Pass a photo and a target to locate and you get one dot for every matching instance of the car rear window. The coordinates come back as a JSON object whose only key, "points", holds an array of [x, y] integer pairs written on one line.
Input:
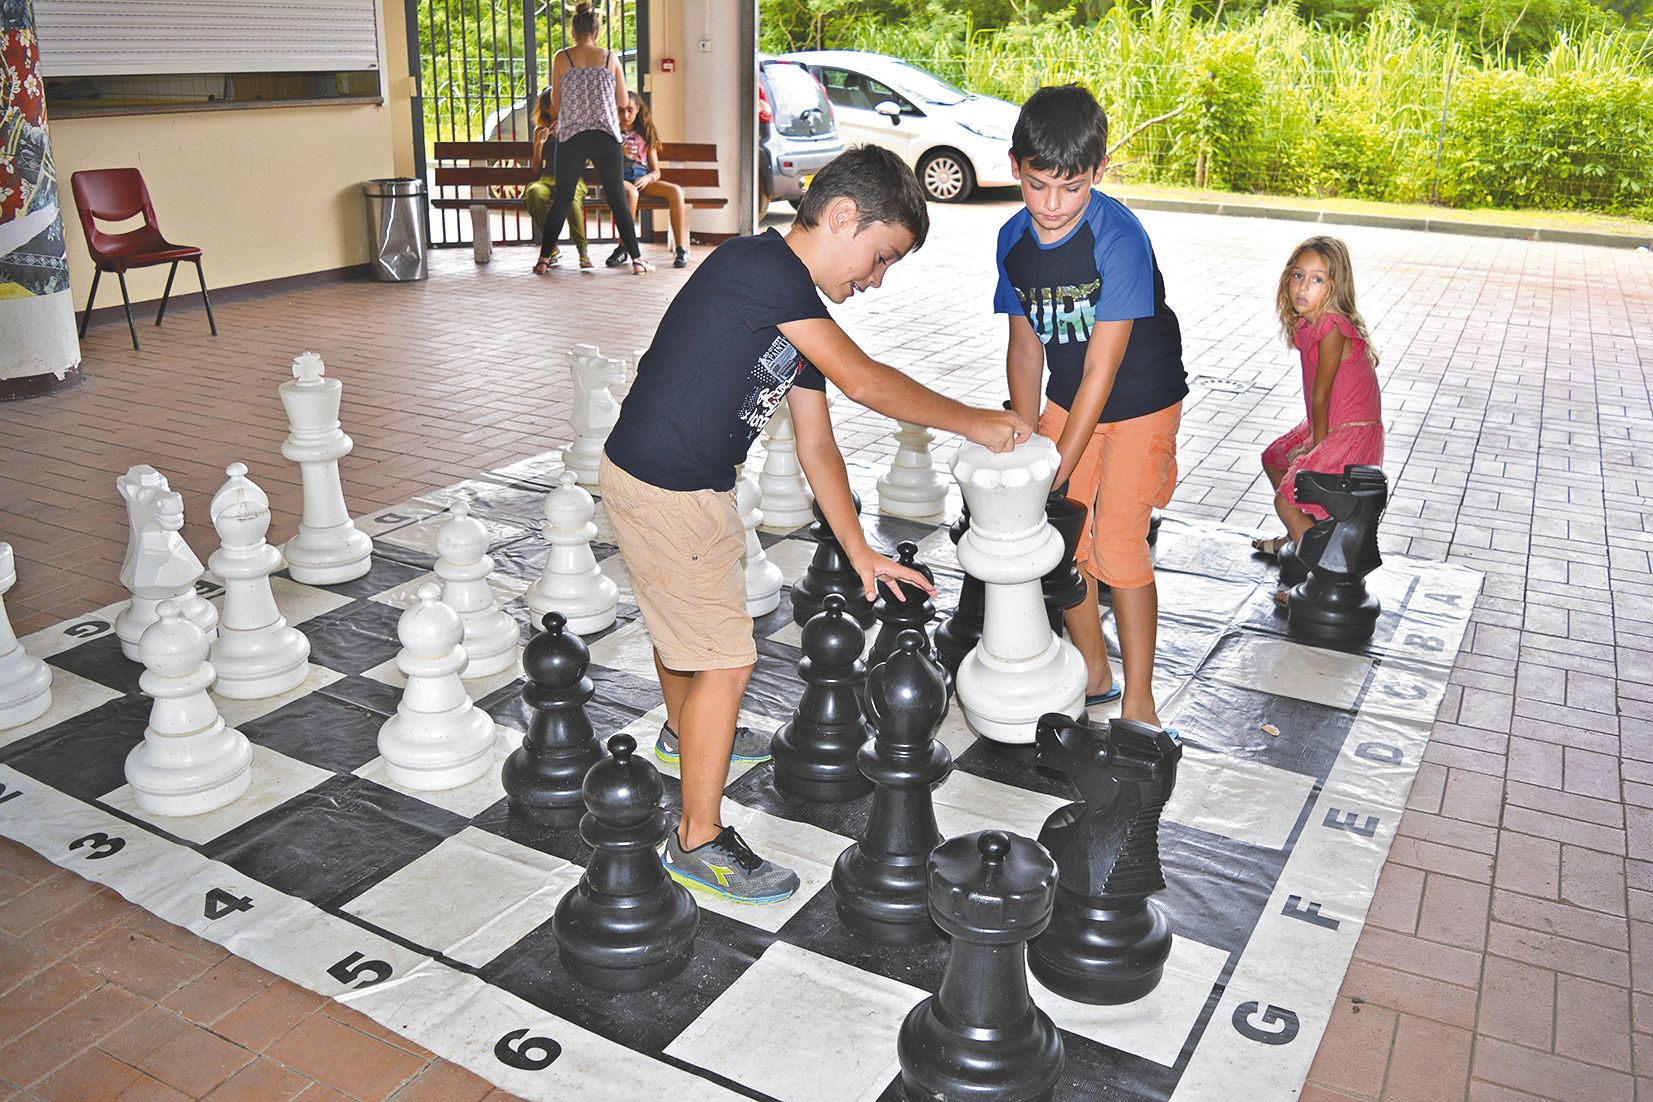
{"points": [[801, 108]]}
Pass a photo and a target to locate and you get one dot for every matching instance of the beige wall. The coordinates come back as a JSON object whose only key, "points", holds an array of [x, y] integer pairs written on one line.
{"points": [[265, 193]]}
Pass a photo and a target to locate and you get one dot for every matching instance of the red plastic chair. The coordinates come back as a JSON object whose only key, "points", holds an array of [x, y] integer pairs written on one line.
{"points": [[114, 195]]}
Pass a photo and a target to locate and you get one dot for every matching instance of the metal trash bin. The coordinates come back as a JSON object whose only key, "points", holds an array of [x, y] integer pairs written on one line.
{"points": [[397, 233]]}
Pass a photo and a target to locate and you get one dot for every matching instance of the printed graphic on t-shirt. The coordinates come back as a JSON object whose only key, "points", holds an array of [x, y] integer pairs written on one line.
{"points": [[772, 376], [1066, 313]]}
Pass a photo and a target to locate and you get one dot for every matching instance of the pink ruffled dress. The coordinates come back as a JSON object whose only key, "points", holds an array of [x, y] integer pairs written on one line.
{"points": [[1355, 434]]}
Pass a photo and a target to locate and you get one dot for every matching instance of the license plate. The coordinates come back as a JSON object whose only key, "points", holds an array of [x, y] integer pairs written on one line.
{"points": [[803, 181]]}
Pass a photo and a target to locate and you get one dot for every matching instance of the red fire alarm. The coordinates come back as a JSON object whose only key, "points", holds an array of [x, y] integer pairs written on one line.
{"points": [[668, 65]]}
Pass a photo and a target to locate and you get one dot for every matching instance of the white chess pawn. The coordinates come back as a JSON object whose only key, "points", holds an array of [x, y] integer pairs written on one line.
{"points": [[1020, 670], [437, 739], [785, 493], [159, 565], [25, 681], [256, 654], [571, 583], [188, 763], [763, 578], [912, 487], [464, 566], [328, 549], [595, 409]]}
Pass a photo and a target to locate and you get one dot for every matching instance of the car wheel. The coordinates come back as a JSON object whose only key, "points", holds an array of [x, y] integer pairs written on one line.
{"points": [[946, 176], [763, 205]]}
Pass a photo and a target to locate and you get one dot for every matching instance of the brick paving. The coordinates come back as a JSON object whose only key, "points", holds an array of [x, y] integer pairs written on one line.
{"points": [[1508, 953]]}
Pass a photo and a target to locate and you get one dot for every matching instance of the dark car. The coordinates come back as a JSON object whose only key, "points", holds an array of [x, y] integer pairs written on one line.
{"points": [[797, 133]]}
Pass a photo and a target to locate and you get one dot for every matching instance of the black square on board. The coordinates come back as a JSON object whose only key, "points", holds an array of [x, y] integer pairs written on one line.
{"points": [[355, 638]]}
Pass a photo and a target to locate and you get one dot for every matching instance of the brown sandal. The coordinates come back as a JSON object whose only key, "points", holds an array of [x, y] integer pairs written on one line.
{"points": [[1270, 547], [542, 266]]}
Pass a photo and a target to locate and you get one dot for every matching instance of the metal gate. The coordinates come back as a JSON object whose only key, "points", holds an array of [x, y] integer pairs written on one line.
{"points": [[479, 66]]}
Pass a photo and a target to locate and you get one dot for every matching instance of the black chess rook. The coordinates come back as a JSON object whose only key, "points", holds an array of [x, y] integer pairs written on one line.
{"points": [[626, 925], [1064, 587], [814, 753], [1331, 605], [959, 633], [829, 572], [543, 777], [1107, 941], [880, 880], [981, 1036]]}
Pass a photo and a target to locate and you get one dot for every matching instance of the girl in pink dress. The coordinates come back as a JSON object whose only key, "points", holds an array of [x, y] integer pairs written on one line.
{"points": [[1344, 422]]}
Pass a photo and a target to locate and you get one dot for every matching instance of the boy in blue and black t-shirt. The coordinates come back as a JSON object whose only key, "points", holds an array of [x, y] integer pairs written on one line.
{"points": [[1078, 278]]}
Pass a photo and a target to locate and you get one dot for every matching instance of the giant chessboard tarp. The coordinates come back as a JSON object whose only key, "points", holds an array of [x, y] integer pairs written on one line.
{"points": [[431, 911]]}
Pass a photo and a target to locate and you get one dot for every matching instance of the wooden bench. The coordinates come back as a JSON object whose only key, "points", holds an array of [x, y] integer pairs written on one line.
{"points": [[499, 171]]}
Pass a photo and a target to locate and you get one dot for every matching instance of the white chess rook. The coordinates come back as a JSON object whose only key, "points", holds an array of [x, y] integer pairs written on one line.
{"points": [[785, 492], [328, 549], [256, 654], [912, 487], [571, 583], [159, 565], [25, 681], [437, 739], [188, 763], [763, 578], [464, 566], [1020, 670], [595, 408]]}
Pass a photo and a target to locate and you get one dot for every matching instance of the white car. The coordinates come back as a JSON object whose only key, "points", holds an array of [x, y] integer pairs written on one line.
{"points": [[954, 140]]}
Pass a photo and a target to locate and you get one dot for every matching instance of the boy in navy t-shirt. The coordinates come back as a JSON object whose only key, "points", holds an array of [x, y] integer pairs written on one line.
{"points": [[747, 329], [1078, 278]]}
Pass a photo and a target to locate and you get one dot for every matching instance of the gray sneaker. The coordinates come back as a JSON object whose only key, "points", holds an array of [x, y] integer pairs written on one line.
{"points": [[726, 867], [750, 745]]}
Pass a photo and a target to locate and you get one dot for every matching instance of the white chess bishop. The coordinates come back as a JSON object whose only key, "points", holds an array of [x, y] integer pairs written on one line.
{"points": [[464, 566], [1020, 670], [595, 408], [25, 681], [328, 549], [912, 487], [437, 739], [188, 763], [159, 565], [763, 578], [256, 653], [571, 583], [785, 492]]}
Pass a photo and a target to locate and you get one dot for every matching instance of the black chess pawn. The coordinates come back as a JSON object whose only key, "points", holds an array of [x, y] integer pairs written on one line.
{"points": [[981, 1036], [1107, 941], [1153, 526], [1331, 605], [626, 925], [829, 572], [959, 633], [879, 881], [1064, 587], [901, 606], [544, 775], [814, 754]]}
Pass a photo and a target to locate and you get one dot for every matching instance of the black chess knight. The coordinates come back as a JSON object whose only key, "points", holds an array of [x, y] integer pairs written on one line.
{"points": [[829, 572], [1331, 605], [1107, 941], [815, 751], [544, 775]]}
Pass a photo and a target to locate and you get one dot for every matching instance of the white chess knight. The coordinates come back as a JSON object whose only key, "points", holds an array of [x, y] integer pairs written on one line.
{"points": [[571, 583], [328, 549], [437, 739], [159, 565], [25, 681], [763, 578], [464, 566], [785, 493], [1020, 670], [595, 408], [188, 763], [256, 654], [912, 487]]}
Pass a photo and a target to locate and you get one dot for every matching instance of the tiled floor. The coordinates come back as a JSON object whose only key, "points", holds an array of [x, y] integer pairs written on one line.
{"points": [[1509, 951]]}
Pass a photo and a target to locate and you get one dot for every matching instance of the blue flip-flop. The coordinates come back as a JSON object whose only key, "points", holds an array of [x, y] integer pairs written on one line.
{"points": [[1108, 697]]}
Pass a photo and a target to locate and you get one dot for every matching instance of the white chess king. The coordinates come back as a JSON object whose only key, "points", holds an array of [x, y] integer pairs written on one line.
{"points": [[25, 681], [437, 739], [595, 409], [1020, 670], [328, 549], [159, 565]]}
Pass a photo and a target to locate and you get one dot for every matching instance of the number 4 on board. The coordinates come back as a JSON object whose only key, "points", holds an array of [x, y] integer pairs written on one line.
{"points": [[221, 903]]}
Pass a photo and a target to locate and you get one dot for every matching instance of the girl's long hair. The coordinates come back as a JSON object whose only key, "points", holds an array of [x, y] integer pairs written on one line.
{"points": [[1340, 295], [542, 109], [644, 122]]}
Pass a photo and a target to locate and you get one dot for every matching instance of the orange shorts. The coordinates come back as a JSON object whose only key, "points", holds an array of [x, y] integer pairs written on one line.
{"points": [[685, 552], [1129, 469]]}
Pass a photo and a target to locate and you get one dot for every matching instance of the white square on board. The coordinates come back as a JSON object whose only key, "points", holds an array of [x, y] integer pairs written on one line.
{"points": [[277, 778]]}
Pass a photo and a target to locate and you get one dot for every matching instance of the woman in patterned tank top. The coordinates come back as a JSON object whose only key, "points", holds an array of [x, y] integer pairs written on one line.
{"points": [[588, 90]]}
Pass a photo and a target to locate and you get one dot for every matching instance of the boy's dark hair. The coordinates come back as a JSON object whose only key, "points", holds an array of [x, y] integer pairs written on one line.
{"points": [[1061, 129], [880, 183]]}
